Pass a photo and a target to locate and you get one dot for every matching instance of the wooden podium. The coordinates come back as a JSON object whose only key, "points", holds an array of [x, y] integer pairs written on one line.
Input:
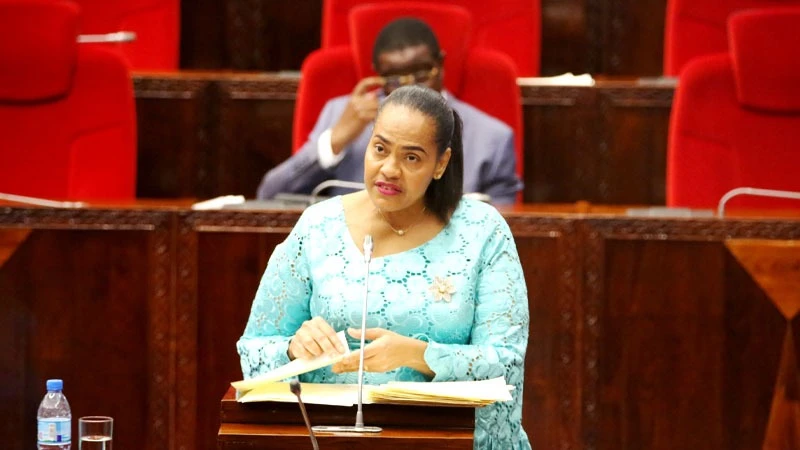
{"points": [[279, 425], [775, 266]]}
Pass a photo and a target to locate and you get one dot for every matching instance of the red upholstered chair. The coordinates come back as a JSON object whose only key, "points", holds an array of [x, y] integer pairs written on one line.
{"points": [[736, 117], [67, 123], [481, 77], [155, 22], [698, 27], [510, 26]]}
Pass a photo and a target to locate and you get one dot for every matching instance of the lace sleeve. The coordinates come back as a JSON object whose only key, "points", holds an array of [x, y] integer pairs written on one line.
{"points": [[498, 341], [280, 307], [500, 327]]}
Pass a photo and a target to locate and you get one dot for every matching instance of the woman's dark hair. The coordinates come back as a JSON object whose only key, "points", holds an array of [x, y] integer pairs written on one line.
{"points": [[443, 195]]}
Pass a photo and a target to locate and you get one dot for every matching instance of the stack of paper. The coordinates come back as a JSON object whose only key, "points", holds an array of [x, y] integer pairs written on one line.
{"points": [[313, 393], [456, 393], [567, 79], [219, 202], [461, 393], [268, 387]]}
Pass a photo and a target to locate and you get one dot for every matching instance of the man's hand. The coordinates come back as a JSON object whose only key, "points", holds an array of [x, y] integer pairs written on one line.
{"points": [[387, 351], [361, 109]]}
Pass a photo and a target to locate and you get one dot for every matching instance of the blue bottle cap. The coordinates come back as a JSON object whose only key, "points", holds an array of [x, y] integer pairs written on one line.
{"points": [[55, 385]]}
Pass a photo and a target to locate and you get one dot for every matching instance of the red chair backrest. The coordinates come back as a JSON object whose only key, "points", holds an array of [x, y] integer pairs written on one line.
{"points": [[481, 77], [699, 27], [510, 26], [67, 123], [155, 22], [736, 117], [326, 73]]}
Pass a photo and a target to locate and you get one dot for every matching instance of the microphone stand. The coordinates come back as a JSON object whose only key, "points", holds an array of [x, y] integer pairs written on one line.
{"points": [[359, 426], [294, 386]]}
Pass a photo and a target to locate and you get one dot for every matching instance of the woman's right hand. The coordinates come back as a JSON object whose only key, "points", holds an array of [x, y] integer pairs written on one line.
{"points": [[314, 338]]}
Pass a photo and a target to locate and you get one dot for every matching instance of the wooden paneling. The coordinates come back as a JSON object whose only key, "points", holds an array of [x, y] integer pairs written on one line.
{"points": [[291, 437], [645, 333], [221, 132], [204, 134], [565, 37], [550, 407], [613, 37], [256, 116], [680, 346], [606, 143], [230, 267], [174, 122], [227, 258], [631, 153], [87, 298], [249, 34], [626, 37]]}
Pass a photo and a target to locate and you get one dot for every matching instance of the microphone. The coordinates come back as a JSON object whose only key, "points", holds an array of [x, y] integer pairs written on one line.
{"points": [[333, 183], [294, 386], [771, 193], [367, 259], [359, 426]]}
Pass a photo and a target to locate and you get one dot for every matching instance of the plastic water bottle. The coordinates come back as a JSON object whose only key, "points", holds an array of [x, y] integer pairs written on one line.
{"points": [[54, 419]]}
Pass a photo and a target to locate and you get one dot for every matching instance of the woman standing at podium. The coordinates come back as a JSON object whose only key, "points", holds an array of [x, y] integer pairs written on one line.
{"points": [[447, 297]]}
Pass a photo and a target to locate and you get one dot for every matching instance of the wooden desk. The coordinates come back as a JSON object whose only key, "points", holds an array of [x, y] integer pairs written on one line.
{"points": [[292, 437], [277, 425], [203, 134], [646, 333]]}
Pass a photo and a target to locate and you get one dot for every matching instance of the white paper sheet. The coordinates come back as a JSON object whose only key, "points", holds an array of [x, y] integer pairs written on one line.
{"points": [[294, 368]]}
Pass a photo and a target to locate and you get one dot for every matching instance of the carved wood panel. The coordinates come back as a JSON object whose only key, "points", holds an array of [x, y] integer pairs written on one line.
{"points": [[256, 117], [604, 144], [632, 145], [550, 255], [175, 122], [89, 296], [645, 333], [680, 346], [229, 252]]}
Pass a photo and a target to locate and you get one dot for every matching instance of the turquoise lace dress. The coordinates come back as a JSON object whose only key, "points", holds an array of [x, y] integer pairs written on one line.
{"points": [[480, 333]]}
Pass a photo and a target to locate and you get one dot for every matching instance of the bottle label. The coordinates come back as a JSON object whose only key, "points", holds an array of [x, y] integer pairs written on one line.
{"points": [[55, 431]]}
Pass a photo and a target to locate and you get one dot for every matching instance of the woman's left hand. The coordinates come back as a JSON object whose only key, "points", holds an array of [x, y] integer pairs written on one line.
{"points": [[387, 351]]}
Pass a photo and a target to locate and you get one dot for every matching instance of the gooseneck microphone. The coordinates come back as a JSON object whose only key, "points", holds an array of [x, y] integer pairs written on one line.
{"points": [[354, 185], [359, 426], [295, 388], [367, 259], [771, 193]]}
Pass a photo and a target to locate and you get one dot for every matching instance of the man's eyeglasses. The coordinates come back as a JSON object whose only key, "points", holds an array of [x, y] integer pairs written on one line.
{"points": [[393, 82]]}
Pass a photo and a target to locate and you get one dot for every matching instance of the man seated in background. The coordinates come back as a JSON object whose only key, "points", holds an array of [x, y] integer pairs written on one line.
{"points": [[406, 51]]}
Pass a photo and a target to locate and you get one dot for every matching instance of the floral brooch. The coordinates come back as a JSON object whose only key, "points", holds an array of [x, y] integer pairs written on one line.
{"points": [[442, 289]]}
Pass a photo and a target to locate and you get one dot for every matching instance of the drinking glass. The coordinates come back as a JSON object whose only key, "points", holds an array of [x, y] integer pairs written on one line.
{"points": [[95, 432]]}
